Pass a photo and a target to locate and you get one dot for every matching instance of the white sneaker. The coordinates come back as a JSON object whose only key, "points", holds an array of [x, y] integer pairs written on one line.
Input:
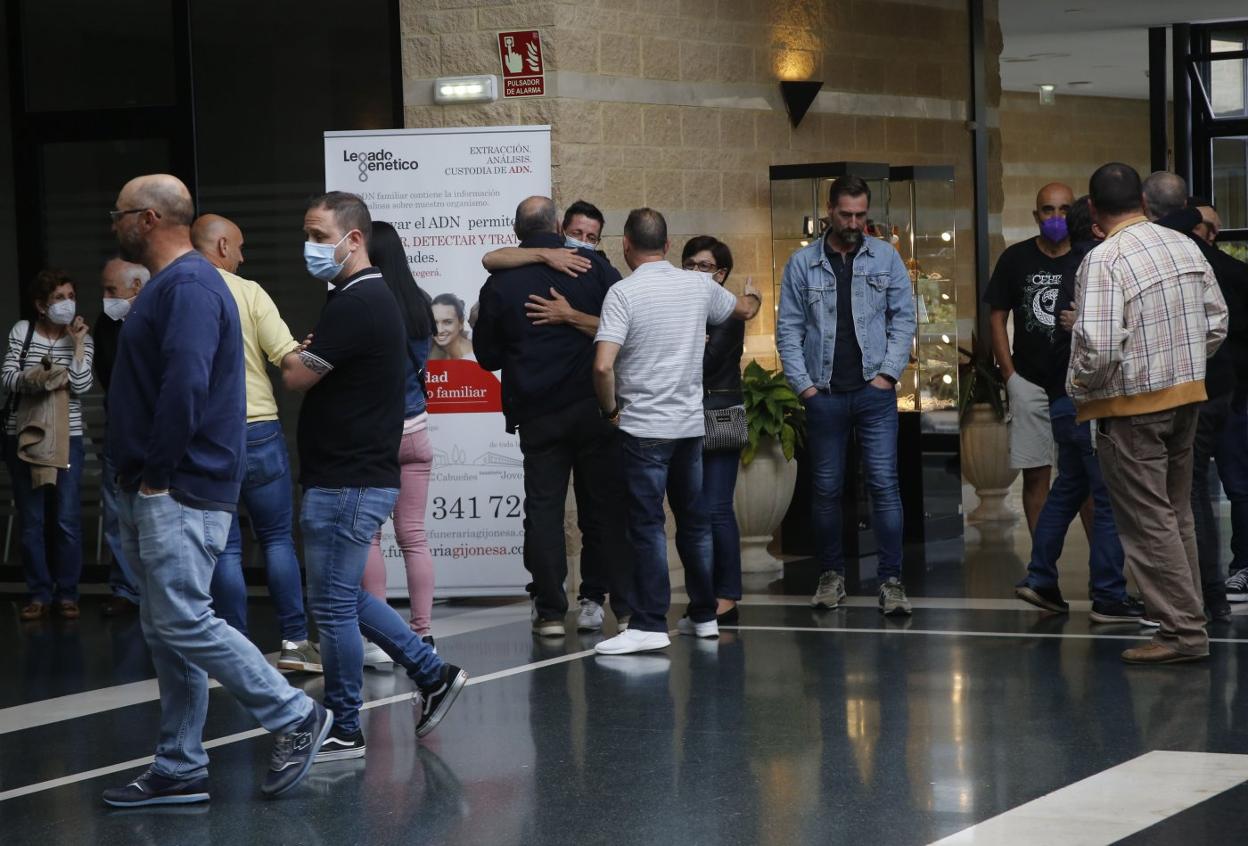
{"points": [[376, 657], [633, 640], [590, 618], [688, 627]]}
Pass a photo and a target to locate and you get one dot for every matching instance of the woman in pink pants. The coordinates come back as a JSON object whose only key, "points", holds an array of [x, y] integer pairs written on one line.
{"points": [[415, 453]]}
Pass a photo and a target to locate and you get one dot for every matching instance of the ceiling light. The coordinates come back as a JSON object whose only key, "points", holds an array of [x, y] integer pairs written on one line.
{"points": [[1048, 94], [465, 89]]}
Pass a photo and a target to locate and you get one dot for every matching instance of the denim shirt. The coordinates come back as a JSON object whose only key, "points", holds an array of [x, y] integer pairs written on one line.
{"points": [[413, 379], [883, 306]]}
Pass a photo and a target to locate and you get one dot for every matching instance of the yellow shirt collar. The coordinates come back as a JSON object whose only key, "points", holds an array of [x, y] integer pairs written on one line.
{"points": [[1131, 221]]}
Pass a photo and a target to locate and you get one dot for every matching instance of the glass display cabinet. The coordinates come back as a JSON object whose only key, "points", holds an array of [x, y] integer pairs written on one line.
{"points": [[923, 212]]}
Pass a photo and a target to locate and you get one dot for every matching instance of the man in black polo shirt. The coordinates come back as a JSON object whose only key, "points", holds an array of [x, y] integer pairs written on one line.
{"points": [[349, 430], [548, 393]]}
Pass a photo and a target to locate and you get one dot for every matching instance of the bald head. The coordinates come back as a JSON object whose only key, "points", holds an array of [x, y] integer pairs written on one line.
{"points": [[152, 220], [121, 280], [1054, 198], [1164, 194], [161, 193], [219, 240], [536, 216], [1210, 224]]}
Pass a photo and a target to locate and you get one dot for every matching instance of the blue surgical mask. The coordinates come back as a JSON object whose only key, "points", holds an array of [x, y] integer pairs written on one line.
{"points": [[1054, 229], [572, 243], [320, 259]]}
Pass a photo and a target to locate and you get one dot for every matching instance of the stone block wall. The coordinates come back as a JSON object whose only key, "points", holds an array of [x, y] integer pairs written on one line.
{"points": [[1064, 142], [675, 104]]}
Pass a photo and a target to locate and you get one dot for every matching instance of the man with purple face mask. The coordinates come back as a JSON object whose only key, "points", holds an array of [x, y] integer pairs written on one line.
{"points": [[1027, 281]]}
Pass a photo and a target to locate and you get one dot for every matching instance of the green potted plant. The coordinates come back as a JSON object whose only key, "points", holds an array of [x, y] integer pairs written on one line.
{"points": [[983, 408], [777, 424]]}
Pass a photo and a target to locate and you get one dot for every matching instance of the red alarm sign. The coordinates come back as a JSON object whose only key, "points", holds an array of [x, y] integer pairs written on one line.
{"points": [[524, 74]]}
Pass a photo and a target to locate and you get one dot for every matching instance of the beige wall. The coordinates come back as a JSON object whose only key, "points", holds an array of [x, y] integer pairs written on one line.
{"points": [[675, 104], [1064, 142]]}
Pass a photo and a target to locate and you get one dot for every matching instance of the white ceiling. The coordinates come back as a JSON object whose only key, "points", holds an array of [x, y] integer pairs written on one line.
{"points": [[1103, 43]]}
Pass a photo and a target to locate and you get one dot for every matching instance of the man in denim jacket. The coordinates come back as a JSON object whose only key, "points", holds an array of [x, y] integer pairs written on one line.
{"points": [[844, 332]]}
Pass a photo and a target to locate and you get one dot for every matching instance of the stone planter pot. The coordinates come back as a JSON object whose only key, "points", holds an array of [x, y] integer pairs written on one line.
{"points": [[986, 463], [764, 491]]}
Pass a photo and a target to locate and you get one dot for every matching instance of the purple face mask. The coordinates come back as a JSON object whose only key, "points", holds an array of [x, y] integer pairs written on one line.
{"points": [[1054, 229]]}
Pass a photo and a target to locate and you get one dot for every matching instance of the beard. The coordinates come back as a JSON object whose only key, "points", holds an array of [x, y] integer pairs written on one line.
{"points": [[848, 237], [130, 248]]}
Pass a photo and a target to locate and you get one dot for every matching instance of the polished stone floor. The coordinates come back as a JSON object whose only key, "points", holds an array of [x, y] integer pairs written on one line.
{"points": [[797, 727]]}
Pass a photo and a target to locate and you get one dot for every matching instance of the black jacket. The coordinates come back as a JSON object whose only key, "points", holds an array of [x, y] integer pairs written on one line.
{"points": [[1227, 367], [1059, 352], [721, 364], [545, 368], [105, 335]]}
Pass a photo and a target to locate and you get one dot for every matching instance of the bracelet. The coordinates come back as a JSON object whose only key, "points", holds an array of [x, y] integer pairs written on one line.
{"points": [[611, 415]]}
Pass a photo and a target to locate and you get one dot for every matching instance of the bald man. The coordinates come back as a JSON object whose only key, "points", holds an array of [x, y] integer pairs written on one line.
{"points": [[1210, 223], [266, 491], [121, 282], [1026, 283], [177, 435]]}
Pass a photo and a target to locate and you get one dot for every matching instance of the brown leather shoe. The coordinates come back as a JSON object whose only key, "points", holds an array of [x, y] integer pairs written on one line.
{"points": [[34, 611], [68, 609], [119, 606], [1155, 653]]}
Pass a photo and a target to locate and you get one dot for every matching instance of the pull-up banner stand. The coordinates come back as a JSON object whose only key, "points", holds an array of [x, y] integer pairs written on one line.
{"points": [[452, 196]]}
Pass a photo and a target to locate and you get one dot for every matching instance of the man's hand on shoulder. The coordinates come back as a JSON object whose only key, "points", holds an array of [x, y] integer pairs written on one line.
{"points": [[566, 261]]}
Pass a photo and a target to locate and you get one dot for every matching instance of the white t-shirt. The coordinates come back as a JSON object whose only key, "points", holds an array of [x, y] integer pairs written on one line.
{"points": [[658, 316]]}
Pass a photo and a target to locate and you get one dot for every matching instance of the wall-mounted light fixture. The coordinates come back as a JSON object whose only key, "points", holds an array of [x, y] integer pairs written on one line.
{"points": [[797, 98], [465, 89], [1048, 95]]}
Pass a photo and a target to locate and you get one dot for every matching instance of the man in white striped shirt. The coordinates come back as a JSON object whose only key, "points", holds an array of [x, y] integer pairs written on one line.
{"points": [[648, 379]]}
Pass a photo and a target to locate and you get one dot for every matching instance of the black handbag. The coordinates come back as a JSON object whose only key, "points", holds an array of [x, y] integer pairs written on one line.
{"points": [[726, 429], [10, 405]]}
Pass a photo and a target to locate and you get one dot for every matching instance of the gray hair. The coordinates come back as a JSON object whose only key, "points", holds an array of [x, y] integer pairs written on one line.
{"points": [[1165, 193]]}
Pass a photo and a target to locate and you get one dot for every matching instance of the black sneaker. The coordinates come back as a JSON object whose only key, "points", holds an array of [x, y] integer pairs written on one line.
{"points": [[151, 788], [1216, 605], [1050, 599], [1117, 612], [435, 701], [294, 751], [341, 747]]}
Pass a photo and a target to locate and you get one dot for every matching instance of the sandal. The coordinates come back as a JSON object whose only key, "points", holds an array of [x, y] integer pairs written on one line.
{"points": [[68, 609], [34, 610]]}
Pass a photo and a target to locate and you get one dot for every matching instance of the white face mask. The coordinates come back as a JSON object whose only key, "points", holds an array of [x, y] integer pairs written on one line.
{"points": [[63, 312], [116, 309], [572, 243]]}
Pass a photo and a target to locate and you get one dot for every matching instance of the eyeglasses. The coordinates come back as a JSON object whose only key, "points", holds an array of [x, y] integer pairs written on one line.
{"points": [[115, 216], [703, 266]]}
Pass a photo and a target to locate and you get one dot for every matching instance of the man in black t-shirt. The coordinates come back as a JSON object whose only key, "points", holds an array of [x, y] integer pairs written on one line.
{"points": [[1026, 282], [352, 368]]}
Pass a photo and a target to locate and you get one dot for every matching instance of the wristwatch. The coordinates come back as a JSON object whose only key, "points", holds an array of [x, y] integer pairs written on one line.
{"points": [[610, 415]]}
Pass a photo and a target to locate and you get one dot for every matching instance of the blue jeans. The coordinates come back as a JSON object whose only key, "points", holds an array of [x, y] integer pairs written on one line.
{"points": [[831, 416], [121, 580], [43, 584], [653, 467], [1078, 475], [269, 500], [338, 528], [173, 549], [719, 483]]}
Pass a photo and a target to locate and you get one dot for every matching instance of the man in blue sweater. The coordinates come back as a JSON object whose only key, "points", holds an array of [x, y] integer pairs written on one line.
{"points": [[177, 436]]}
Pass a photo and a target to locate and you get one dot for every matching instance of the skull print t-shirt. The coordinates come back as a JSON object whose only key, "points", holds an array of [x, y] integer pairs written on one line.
{"points": [[1027, 282]]}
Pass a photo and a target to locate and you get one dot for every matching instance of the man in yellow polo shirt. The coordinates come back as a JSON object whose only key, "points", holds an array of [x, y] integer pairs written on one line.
{"points": [[267, 492]]}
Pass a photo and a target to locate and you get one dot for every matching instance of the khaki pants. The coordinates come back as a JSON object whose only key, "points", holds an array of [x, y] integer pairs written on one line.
{"points": [[1147, 463]]}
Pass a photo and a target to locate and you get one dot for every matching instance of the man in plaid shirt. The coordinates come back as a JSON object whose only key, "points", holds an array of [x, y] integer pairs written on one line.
{"points": [[1150, 314]]}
